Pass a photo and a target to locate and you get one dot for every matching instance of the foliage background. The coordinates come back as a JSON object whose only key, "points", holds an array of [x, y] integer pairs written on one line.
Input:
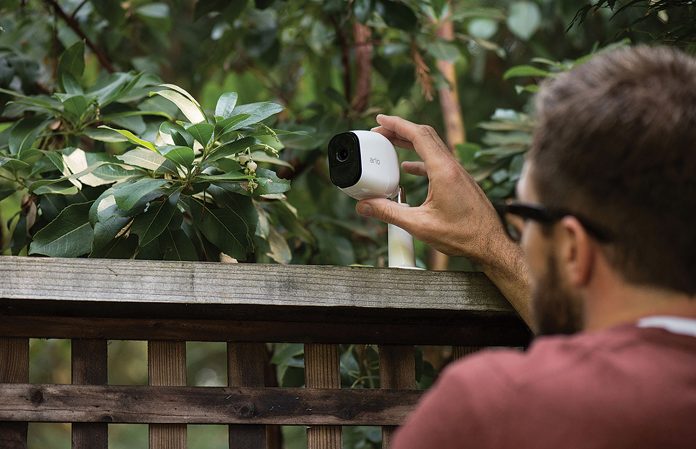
{"points": [[306, 56]]}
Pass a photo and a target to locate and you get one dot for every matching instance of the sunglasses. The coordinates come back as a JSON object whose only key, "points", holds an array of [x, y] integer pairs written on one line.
{"points": [[514, 214]]}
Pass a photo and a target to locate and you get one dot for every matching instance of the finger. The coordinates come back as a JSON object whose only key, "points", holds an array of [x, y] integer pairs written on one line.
{"points": [[387, 211], [414, 168], [424, 139], [393, 137]]}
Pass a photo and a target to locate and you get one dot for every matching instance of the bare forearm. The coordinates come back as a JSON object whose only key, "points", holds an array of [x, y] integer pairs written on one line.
{"points": [[507, 269]]}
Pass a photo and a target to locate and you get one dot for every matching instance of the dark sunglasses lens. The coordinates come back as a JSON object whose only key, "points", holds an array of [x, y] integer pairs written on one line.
{"points": [[513, 226]]}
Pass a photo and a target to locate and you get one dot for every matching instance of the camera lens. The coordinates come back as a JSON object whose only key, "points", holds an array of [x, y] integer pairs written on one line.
{"points": [[342, 154]]}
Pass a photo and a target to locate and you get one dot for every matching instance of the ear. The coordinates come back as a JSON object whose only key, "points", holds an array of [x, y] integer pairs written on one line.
{"points": [[577, 252]]}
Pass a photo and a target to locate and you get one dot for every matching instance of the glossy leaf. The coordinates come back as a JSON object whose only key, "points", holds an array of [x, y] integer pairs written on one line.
{"points": [[202, 132], [190, 109], [132, 138], [225, 104], [72, 63], [177, 245], [149, 225], [140, 157], [128, 195], [69, 235], [525, 70], [257, 112], [182, 156], [231, 148], [24, 133]]}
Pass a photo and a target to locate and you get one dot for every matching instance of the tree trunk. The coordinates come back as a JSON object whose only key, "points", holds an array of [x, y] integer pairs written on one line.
{"points": [[452, 114]]}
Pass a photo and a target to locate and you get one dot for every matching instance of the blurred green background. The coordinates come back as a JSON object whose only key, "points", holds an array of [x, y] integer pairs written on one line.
{"points": [[309, 56]]}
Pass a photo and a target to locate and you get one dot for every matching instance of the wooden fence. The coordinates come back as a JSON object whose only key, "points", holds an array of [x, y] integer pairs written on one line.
{"points": [[245, 305]]}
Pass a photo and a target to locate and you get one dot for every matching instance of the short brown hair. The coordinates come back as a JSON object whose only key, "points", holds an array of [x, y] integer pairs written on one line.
{"points": [[616, 143]]}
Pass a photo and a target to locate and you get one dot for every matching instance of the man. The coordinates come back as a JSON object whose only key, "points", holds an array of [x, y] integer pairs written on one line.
{"points": [[606, 223]]}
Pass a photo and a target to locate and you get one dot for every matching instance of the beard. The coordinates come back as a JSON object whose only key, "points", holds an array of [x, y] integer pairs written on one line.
{"points": [[555, 309]]}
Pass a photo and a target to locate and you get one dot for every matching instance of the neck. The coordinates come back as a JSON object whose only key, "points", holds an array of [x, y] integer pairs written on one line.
{"points": [[627, 304]]}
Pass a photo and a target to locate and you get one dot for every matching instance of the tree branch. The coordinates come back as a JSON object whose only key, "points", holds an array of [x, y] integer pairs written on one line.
{"points": [[363, 66], [345, 59], [75, 26]]}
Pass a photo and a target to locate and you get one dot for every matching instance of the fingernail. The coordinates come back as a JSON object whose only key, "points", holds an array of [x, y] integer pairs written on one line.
{"points": [[365, 210]]}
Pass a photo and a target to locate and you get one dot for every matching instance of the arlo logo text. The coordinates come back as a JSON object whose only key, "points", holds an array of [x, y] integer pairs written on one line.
{"points": [[374, 160]]}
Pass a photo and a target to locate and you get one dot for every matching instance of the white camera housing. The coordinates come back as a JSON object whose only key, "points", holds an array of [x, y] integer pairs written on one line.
{"points": [[364, 165]]}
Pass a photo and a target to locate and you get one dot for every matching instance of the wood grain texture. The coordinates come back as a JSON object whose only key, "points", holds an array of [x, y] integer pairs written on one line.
{"points": [[89, 366], [141, 404], [135, 281], [14, 368], [397, 370], [166, 365], [246, 367], [462, 351], [322, 370]]}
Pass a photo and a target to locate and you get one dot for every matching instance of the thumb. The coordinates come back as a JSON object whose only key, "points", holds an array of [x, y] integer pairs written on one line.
{"points": [[385, 210]]}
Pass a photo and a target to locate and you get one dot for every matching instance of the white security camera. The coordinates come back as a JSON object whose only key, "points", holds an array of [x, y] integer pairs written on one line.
{"points": [[364, 165]]}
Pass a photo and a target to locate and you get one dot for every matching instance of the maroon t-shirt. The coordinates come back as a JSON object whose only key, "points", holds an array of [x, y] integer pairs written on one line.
{"points": [[626, 387]]}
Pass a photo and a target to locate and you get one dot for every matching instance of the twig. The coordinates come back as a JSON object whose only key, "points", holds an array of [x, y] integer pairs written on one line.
{"points": [[345, 59], [72, 23], [79, 7]]}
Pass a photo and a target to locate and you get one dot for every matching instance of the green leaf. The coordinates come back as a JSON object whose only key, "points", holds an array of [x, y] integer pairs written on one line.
{"points": [[230, 124], [132, 138], [129, 195], [270, 183], [482, 28], [177, 245], [189, 108], [140, 157], [149, 225], [202, 132], [12, 164], [105, 231], [257, 112], [75, 106], [72, 64], [104, 135], [231, 148], [443, 50], [398, 15], [69, 235], [223, 177], [225, 104], [261, 156], [230, 228], [524, 70], [179, 135], [5, 192], [25, 132], [183, 156], [56, 188], [524, 19]]}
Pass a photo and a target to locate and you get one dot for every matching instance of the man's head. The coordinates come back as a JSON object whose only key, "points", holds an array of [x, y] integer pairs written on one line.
{"points": [[615, 144]]}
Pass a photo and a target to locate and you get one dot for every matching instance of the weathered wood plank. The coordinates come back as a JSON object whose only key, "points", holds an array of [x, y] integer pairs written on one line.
{"points": [[397, 370], [322, 370], [424, 329], [134, 281], [204, 405], [89, 366], [166, 362], [246, 366], [14, 367]]}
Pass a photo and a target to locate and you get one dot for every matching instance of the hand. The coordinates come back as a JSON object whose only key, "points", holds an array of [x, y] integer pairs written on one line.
{"points": [[456, 217]]}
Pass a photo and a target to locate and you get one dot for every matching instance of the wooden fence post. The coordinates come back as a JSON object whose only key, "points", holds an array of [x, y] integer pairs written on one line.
{"points": [[246, 367], [167, 367], [89, 366], [322, 370], [397, 371], [14, 368]]}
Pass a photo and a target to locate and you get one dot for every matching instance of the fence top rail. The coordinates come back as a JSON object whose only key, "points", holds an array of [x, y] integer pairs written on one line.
{"points": [[194, 283]]}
